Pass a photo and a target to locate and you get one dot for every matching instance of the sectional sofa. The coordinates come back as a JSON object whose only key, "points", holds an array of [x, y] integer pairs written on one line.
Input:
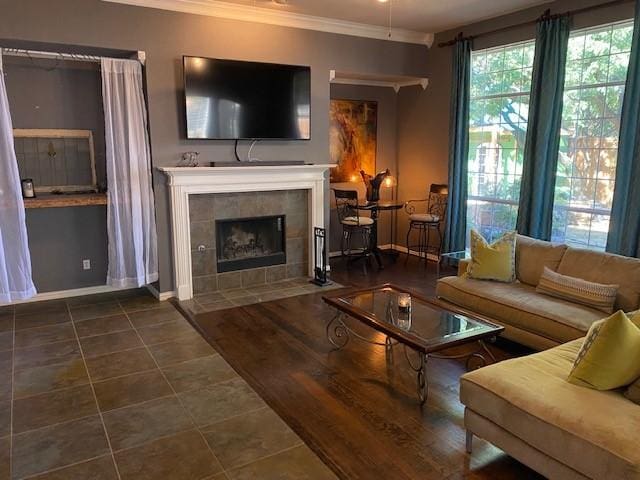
{"points": [[540, 321], [525, 406]]}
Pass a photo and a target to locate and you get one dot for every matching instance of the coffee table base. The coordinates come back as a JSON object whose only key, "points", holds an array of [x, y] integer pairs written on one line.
{"points": [[339, 334]]}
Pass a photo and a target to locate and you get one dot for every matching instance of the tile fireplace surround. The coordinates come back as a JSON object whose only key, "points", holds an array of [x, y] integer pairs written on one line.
{"points": [[241, 192]]}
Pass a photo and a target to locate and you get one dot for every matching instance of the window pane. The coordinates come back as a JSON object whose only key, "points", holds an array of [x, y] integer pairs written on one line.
{"points": [[597, 43], [594, 70], [578, 226], [618, 67], [597, 63], [613, 101], [498, 115], [599, 231], [621, 38]]}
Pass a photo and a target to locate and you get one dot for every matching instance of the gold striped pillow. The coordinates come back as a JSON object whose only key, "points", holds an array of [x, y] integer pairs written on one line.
{"points": [[595, 295]]}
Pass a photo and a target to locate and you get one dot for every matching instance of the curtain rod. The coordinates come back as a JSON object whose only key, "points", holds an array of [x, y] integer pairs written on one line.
{"points": [[76, 57], [577, 11]]}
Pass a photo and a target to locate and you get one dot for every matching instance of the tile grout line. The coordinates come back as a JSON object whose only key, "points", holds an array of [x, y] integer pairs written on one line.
{"points": [[56, 424], [64, 422], [242, 465], [57, 469], [80, 321], [195, 424], [93, 391], [233, 417], [101, 355], [60, 341], [35, 475], [90, 336], [215, 354], [93, 415], [147, 442]]}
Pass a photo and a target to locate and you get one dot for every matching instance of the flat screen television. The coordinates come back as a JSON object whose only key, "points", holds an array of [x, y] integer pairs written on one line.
{"points": [[231, 100]]}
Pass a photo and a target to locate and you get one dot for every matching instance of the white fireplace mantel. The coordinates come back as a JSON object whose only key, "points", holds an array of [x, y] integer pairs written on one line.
{"points": [[185, 181]]}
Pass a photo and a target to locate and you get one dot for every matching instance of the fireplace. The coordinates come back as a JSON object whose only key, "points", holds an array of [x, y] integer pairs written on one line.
{"points": [[202, 195], [253, 242]]}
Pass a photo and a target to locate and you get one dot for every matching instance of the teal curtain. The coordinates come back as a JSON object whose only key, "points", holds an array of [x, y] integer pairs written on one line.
{"points": [[535, 213], [456, 227], [624, 229]]}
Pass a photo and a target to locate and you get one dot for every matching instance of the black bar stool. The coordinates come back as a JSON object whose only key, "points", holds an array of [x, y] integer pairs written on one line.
{"points": [[425, 223], [353, 225]]}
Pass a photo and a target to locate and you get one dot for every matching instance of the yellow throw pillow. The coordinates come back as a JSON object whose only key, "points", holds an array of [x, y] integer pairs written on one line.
{"points": [[610, 355], [493, 262]]}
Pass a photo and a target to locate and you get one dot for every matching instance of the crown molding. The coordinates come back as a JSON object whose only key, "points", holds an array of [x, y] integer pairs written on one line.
{"points": [[247, 13]]}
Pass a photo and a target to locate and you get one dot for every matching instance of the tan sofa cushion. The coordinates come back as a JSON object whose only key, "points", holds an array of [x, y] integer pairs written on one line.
{"points": [[606, 268], [593, 432], [633, 392], [519, 305], [533, 255]]}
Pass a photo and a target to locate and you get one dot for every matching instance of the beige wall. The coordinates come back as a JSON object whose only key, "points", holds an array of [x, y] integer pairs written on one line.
{"points": [[166, 36], [423, 126]]}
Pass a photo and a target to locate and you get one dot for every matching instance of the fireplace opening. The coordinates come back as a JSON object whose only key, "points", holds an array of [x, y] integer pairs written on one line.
{"points": [[253, 242]]}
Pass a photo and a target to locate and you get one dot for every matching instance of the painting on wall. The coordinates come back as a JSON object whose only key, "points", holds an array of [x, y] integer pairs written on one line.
{"points": [[353, 138]]}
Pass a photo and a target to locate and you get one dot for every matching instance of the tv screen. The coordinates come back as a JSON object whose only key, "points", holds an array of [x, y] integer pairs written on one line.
{"points": [[230, 100]]}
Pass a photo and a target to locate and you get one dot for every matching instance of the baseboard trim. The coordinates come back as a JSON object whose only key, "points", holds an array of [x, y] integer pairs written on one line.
{"points": [[162, 296], [402, 249], [398, 248], [75, 292]]}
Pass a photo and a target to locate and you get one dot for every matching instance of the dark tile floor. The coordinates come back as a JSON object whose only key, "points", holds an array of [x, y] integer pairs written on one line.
{"points": [[238, 297], [120, 386]]}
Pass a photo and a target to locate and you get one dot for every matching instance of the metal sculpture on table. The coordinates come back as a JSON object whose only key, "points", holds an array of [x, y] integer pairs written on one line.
{"points": [[373, 184]]}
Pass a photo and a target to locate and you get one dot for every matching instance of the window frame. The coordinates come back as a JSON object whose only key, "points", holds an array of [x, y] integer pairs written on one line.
{"points": [[476, 200], [54, 134], [570, 208]]}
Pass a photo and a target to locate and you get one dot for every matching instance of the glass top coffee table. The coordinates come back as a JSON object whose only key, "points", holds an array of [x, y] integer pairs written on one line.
{"points": [[413, 321]]}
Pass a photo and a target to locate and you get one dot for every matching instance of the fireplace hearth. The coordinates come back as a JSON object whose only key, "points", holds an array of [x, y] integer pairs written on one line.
{"points": [[252, 242]]}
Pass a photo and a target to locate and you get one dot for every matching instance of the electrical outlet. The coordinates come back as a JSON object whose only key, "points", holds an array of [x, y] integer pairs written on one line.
{"points": [[86, 264]]}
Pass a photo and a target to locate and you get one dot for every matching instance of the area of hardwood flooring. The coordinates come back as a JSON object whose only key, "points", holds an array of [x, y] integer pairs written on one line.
{"points": [[355, 410]]}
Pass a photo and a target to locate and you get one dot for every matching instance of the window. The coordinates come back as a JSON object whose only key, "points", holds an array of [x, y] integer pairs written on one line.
{"points": [[597, 64], [56, 160], [498, 114]]}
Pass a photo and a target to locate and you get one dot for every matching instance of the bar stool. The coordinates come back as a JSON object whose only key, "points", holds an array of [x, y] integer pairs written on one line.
{"points": [[353, 225], [425, 223]]}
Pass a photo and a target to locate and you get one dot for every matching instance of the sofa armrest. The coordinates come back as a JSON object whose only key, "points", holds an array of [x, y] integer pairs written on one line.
{"points": [[462, 266]]}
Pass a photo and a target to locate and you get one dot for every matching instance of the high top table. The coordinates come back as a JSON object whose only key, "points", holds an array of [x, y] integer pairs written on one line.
{"points": [[375, 208], [425, 328]]}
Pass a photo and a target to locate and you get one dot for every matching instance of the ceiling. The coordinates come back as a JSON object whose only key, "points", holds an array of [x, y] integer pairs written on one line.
{"points": [[429, 16], [412, 21]]}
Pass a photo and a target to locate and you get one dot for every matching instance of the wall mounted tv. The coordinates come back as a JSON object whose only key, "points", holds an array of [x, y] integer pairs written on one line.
{"points": [[231, 100]]}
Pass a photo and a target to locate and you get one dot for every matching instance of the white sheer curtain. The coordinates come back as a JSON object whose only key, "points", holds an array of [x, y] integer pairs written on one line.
{"points": [[15, 261], [131, 224]]}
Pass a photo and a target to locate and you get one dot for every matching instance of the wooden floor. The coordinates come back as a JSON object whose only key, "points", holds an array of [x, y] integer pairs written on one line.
{"points": [[358, 414]]}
